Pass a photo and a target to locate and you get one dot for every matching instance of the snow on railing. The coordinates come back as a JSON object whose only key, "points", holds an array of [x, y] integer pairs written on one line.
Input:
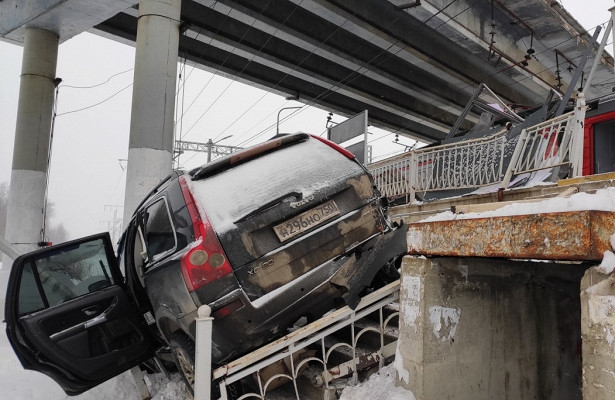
{"points": [[285, 360], [481, 162]]}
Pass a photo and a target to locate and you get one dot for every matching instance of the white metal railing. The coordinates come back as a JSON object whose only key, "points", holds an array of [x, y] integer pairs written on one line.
{"points": [[467, 164], [284, 360], [550, 144], [481, 162]]}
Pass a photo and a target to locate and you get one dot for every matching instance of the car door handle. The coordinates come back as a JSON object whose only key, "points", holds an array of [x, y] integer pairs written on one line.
{"points": [[91, 311], [95, 321], [99, 319]]}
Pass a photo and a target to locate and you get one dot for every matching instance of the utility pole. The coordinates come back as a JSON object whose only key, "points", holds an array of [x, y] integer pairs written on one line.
{"points": [[114, 226]]}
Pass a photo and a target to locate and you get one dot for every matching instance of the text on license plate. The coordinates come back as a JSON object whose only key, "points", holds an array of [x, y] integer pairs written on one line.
{"points": [[305, 221]]}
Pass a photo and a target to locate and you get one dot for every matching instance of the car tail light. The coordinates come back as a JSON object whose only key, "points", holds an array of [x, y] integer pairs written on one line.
{"points": [[206, 261], [335, 146], [227, 309]]}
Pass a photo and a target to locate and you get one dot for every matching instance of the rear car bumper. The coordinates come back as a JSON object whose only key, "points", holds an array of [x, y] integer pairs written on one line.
{"points": [[311, 295], [361, 268]]}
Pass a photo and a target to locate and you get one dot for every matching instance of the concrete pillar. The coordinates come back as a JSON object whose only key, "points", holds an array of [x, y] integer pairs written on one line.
{"points": [[598, 333], [26, 198], [30, 154], [484, 329], [150, 153]]}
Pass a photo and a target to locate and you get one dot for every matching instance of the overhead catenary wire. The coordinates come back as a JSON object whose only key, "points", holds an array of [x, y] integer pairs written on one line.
{"points": [[234, 79]]}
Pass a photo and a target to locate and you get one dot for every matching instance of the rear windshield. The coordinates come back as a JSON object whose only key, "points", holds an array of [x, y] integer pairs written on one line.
{"points": [[306, 168]]}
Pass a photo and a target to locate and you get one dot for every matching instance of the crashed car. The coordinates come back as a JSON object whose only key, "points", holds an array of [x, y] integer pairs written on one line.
{"points": [[287, 229]]}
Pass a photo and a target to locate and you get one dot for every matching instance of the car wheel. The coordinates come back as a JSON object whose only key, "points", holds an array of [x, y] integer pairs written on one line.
{"points": [[183, 353]]}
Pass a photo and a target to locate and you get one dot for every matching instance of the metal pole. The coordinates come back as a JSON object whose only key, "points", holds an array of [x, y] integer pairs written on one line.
{"points": [[209, 145], [202, 359], [605, 37], [277, 125]]}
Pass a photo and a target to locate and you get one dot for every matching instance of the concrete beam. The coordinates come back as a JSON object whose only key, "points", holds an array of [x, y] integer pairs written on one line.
{"points": [[579, 235], [67, 18]]}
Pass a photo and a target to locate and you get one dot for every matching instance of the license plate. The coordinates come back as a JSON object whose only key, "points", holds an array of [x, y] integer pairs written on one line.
{"points": [[306, 221]]}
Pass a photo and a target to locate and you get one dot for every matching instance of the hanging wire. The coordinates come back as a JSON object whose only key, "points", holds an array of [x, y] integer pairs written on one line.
{"points": [[96, 104], [98, 84]]}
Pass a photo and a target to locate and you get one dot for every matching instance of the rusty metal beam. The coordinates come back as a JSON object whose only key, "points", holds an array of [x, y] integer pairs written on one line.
{"points": [[573, 236]]}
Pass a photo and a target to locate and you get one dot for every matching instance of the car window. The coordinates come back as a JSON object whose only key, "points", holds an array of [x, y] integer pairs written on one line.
{"points": [[159, 232], [54, 278]]}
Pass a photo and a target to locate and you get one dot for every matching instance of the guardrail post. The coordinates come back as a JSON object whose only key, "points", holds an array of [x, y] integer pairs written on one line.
{"points": [[578, 133], [514, 159], [202, 359], [413, 172]]}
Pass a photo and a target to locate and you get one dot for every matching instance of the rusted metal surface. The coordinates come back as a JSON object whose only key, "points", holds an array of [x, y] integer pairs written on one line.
{"points": [[578, 235]]}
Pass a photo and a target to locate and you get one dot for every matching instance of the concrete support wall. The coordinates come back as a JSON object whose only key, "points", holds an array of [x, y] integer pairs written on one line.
{"points": [[490, 329], [598, 331], [31, 151], [150, 154]]}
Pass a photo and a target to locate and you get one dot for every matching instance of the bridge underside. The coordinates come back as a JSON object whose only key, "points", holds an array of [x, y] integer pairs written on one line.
{"points": [[412, 64]]}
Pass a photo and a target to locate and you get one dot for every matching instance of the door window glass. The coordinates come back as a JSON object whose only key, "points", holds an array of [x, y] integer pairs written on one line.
{"points": [[604, 147], [59, 276], [159, 233], [30, 299]]}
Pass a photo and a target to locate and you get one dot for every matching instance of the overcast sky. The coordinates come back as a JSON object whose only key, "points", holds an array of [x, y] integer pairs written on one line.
{"points": [[86, 177]]}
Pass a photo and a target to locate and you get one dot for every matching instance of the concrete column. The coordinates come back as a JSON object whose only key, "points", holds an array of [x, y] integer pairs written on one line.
{"points": [[150, 153], [484, 329], [24, 220], [30, 154], [598, 333]]}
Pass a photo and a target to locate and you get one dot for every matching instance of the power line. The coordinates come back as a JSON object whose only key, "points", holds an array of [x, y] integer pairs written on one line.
{"points": [[96, 104], [233, 80], [98, 84]]}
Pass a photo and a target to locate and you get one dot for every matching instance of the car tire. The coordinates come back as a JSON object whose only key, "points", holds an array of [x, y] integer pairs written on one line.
{"points": [[183, 354]]}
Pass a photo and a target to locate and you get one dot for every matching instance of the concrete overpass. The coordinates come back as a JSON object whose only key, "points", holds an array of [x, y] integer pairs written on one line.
{"points": [[412, 64]]}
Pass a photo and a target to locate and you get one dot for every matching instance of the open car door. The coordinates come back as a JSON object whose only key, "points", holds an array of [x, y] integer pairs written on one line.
{"points": [[68, 315]]}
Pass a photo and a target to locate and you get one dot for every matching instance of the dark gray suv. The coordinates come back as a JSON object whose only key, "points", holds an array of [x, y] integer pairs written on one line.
{"points": [[287, 229]]}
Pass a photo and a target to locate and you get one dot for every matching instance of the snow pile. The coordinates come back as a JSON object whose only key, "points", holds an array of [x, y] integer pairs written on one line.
{"points": [[607, 266], [19, 384], [380, 386], [602, 200]]}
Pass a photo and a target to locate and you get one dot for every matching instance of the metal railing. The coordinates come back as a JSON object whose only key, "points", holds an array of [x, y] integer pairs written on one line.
{"points": [[483, 162], [550, 144], [286, 359]]}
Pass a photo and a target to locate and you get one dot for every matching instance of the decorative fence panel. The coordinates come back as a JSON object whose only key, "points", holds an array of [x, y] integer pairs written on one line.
{"points": [[285, 360]]}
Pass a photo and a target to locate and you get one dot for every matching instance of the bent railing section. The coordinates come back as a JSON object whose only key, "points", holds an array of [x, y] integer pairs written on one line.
{"points": [[485, 161], [316, 346]]}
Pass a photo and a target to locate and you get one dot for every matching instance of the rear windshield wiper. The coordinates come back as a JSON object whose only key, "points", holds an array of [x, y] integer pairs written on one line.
{"points": [[271, 204]]}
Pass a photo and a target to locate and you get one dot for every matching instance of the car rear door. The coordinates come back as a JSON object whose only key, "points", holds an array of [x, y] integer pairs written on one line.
{"points": [[68, 315]]}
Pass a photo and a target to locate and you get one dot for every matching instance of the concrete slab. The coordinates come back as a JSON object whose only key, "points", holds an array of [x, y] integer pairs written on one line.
{"points": [[67, 18], [578, 235]]}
